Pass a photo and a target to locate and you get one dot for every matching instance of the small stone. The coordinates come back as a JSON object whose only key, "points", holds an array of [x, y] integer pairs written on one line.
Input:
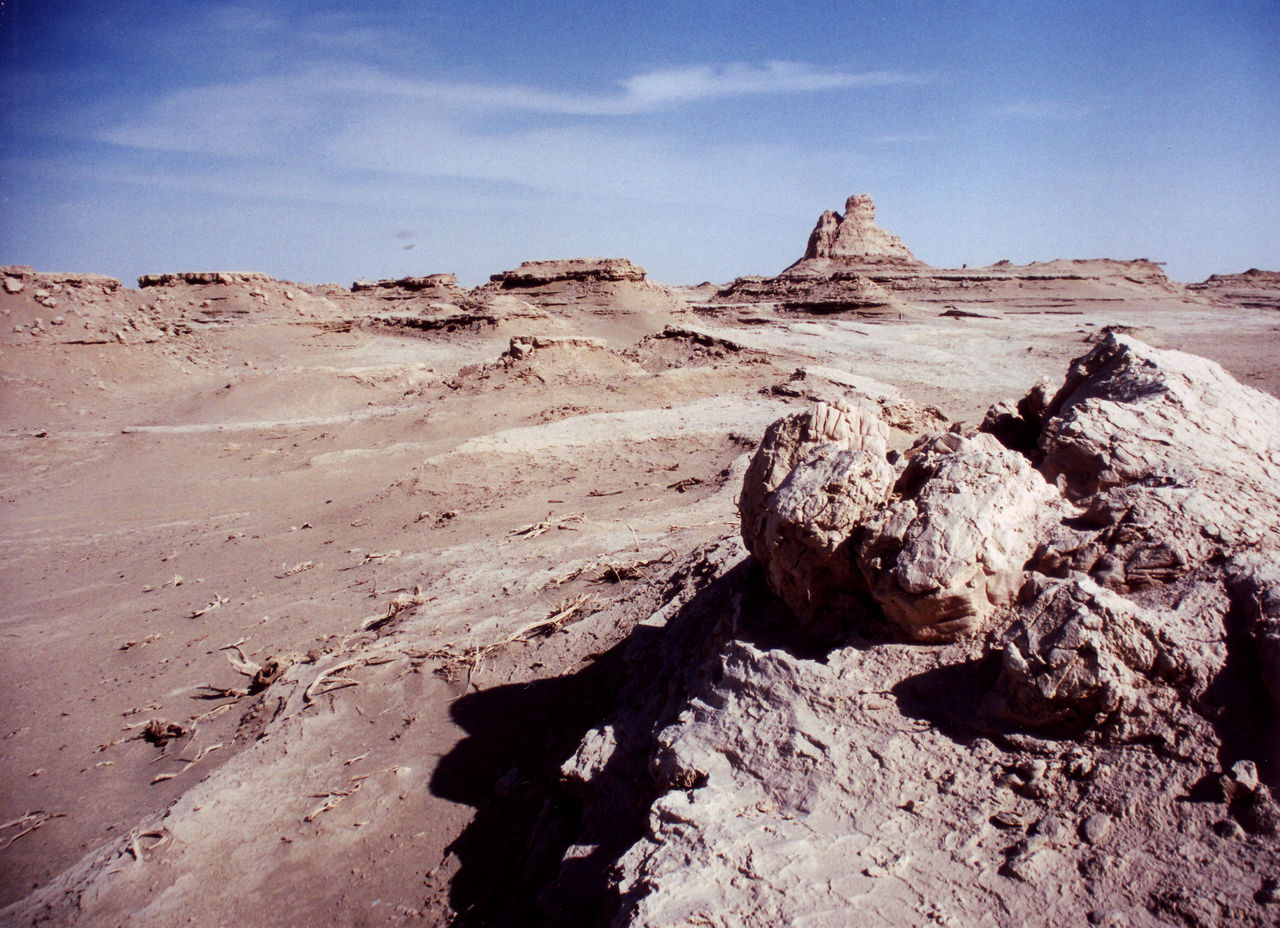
{"points": [[1080, 766], [41, 293], [1007, 820], [1228, 828], [1269, 893], [1245, 772], [1034, 769], [13, 285], [58, 320], [1096, 827], [1026, 858], [1050, 827], [1109, 917]]}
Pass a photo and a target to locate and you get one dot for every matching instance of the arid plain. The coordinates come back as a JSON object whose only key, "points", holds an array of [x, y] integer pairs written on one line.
{"points": [[400, 602]]}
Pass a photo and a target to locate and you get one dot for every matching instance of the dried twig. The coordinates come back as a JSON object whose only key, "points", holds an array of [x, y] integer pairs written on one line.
{"points": [[541, 528], [161, 777], [371, 556], [27, 823], [218, 600], [295, 569]]}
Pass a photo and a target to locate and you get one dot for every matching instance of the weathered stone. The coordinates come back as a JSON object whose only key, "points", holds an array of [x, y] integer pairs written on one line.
{"points": [[950, 545], [1096, 828], [1071, 658], [814, 479]]}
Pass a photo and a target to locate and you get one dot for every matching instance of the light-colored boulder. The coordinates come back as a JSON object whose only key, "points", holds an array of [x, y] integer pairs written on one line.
{"points": [[951, 544], [1074, 657], [815, 478], [1175, 463]]}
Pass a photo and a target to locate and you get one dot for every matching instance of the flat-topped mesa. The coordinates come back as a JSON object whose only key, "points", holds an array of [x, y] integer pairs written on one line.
{"points": [[431, 282], [541, 273], [1254, 289], [203, 278], [854, 238]]}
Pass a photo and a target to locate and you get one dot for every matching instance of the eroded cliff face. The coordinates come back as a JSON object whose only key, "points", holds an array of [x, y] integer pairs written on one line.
{"points": [[1091, 734]]}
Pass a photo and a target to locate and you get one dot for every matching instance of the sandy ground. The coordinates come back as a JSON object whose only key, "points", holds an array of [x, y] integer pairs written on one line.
{"points": [[441, 544]]}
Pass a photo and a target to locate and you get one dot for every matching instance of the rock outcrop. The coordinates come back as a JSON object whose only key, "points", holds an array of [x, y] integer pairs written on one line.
{"points": [[543, 273], [435, 286], [1149, 466], [854, 238], [1254, 288], [205, 278], [815, 479], [852, 265], [1121, 707]]}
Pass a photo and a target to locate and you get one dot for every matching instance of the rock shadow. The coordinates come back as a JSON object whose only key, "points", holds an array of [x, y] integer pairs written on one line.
{"points": [[951, 698], [508, 769], [1240, 707], [537, 852]]}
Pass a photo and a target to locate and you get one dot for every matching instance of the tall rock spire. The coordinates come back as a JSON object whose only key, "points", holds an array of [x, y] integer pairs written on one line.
{"points": [[855, 238]]}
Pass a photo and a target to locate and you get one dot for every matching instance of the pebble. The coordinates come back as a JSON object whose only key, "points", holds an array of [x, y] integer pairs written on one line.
{"points": [[1050, 826], [1269, 894], [1034, 769], [1007, 820], [1109, 917], [1245, 772], [1096, 827]]}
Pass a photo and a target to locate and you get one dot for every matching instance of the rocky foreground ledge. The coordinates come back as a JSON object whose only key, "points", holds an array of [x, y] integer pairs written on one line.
{"points": [[1091, 737]]}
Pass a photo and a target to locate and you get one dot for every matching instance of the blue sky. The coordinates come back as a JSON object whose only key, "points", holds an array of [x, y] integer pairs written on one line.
{"points": [[322, 141]]}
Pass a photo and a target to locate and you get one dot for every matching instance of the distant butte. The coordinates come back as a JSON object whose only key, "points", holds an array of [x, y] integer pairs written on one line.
{"points": [[854, 238]]}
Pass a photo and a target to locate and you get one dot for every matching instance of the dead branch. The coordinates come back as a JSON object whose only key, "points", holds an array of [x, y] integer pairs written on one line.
{"points": [[27, 823]]}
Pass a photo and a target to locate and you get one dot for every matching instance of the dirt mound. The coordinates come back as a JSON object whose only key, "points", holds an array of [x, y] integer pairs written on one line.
{"points": [[548, 359], [677, 347]]}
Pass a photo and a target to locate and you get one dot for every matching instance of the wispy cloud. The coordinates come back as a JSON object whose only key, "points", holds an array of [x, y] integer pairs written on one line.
{"points": [[1049, 110], [904, 138], [657, 89], [245, 116]]}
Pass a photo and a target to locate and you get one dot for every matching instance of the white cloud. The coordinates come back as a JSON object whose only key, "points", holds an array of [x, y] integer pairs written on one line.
{"points": [[904, 138], [1052, 110], [255, 115]]}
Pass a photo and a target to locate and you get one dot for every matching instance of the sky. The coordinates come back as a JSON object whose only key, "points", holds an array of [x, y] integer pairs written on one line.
{"points": [[332, 141]]}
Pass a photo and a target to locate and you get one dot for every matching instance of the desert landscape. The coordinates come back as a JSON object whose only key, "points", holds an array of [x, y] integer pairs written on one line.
{"points": [[869, 592]]}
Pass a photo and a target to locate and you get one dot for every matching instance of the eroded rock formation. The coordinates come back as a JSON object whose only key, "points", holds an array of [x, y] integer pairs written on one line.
{"points": [[542, 273], [204, 278], [1254, 288], [1111, 702], [855, 237]]}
